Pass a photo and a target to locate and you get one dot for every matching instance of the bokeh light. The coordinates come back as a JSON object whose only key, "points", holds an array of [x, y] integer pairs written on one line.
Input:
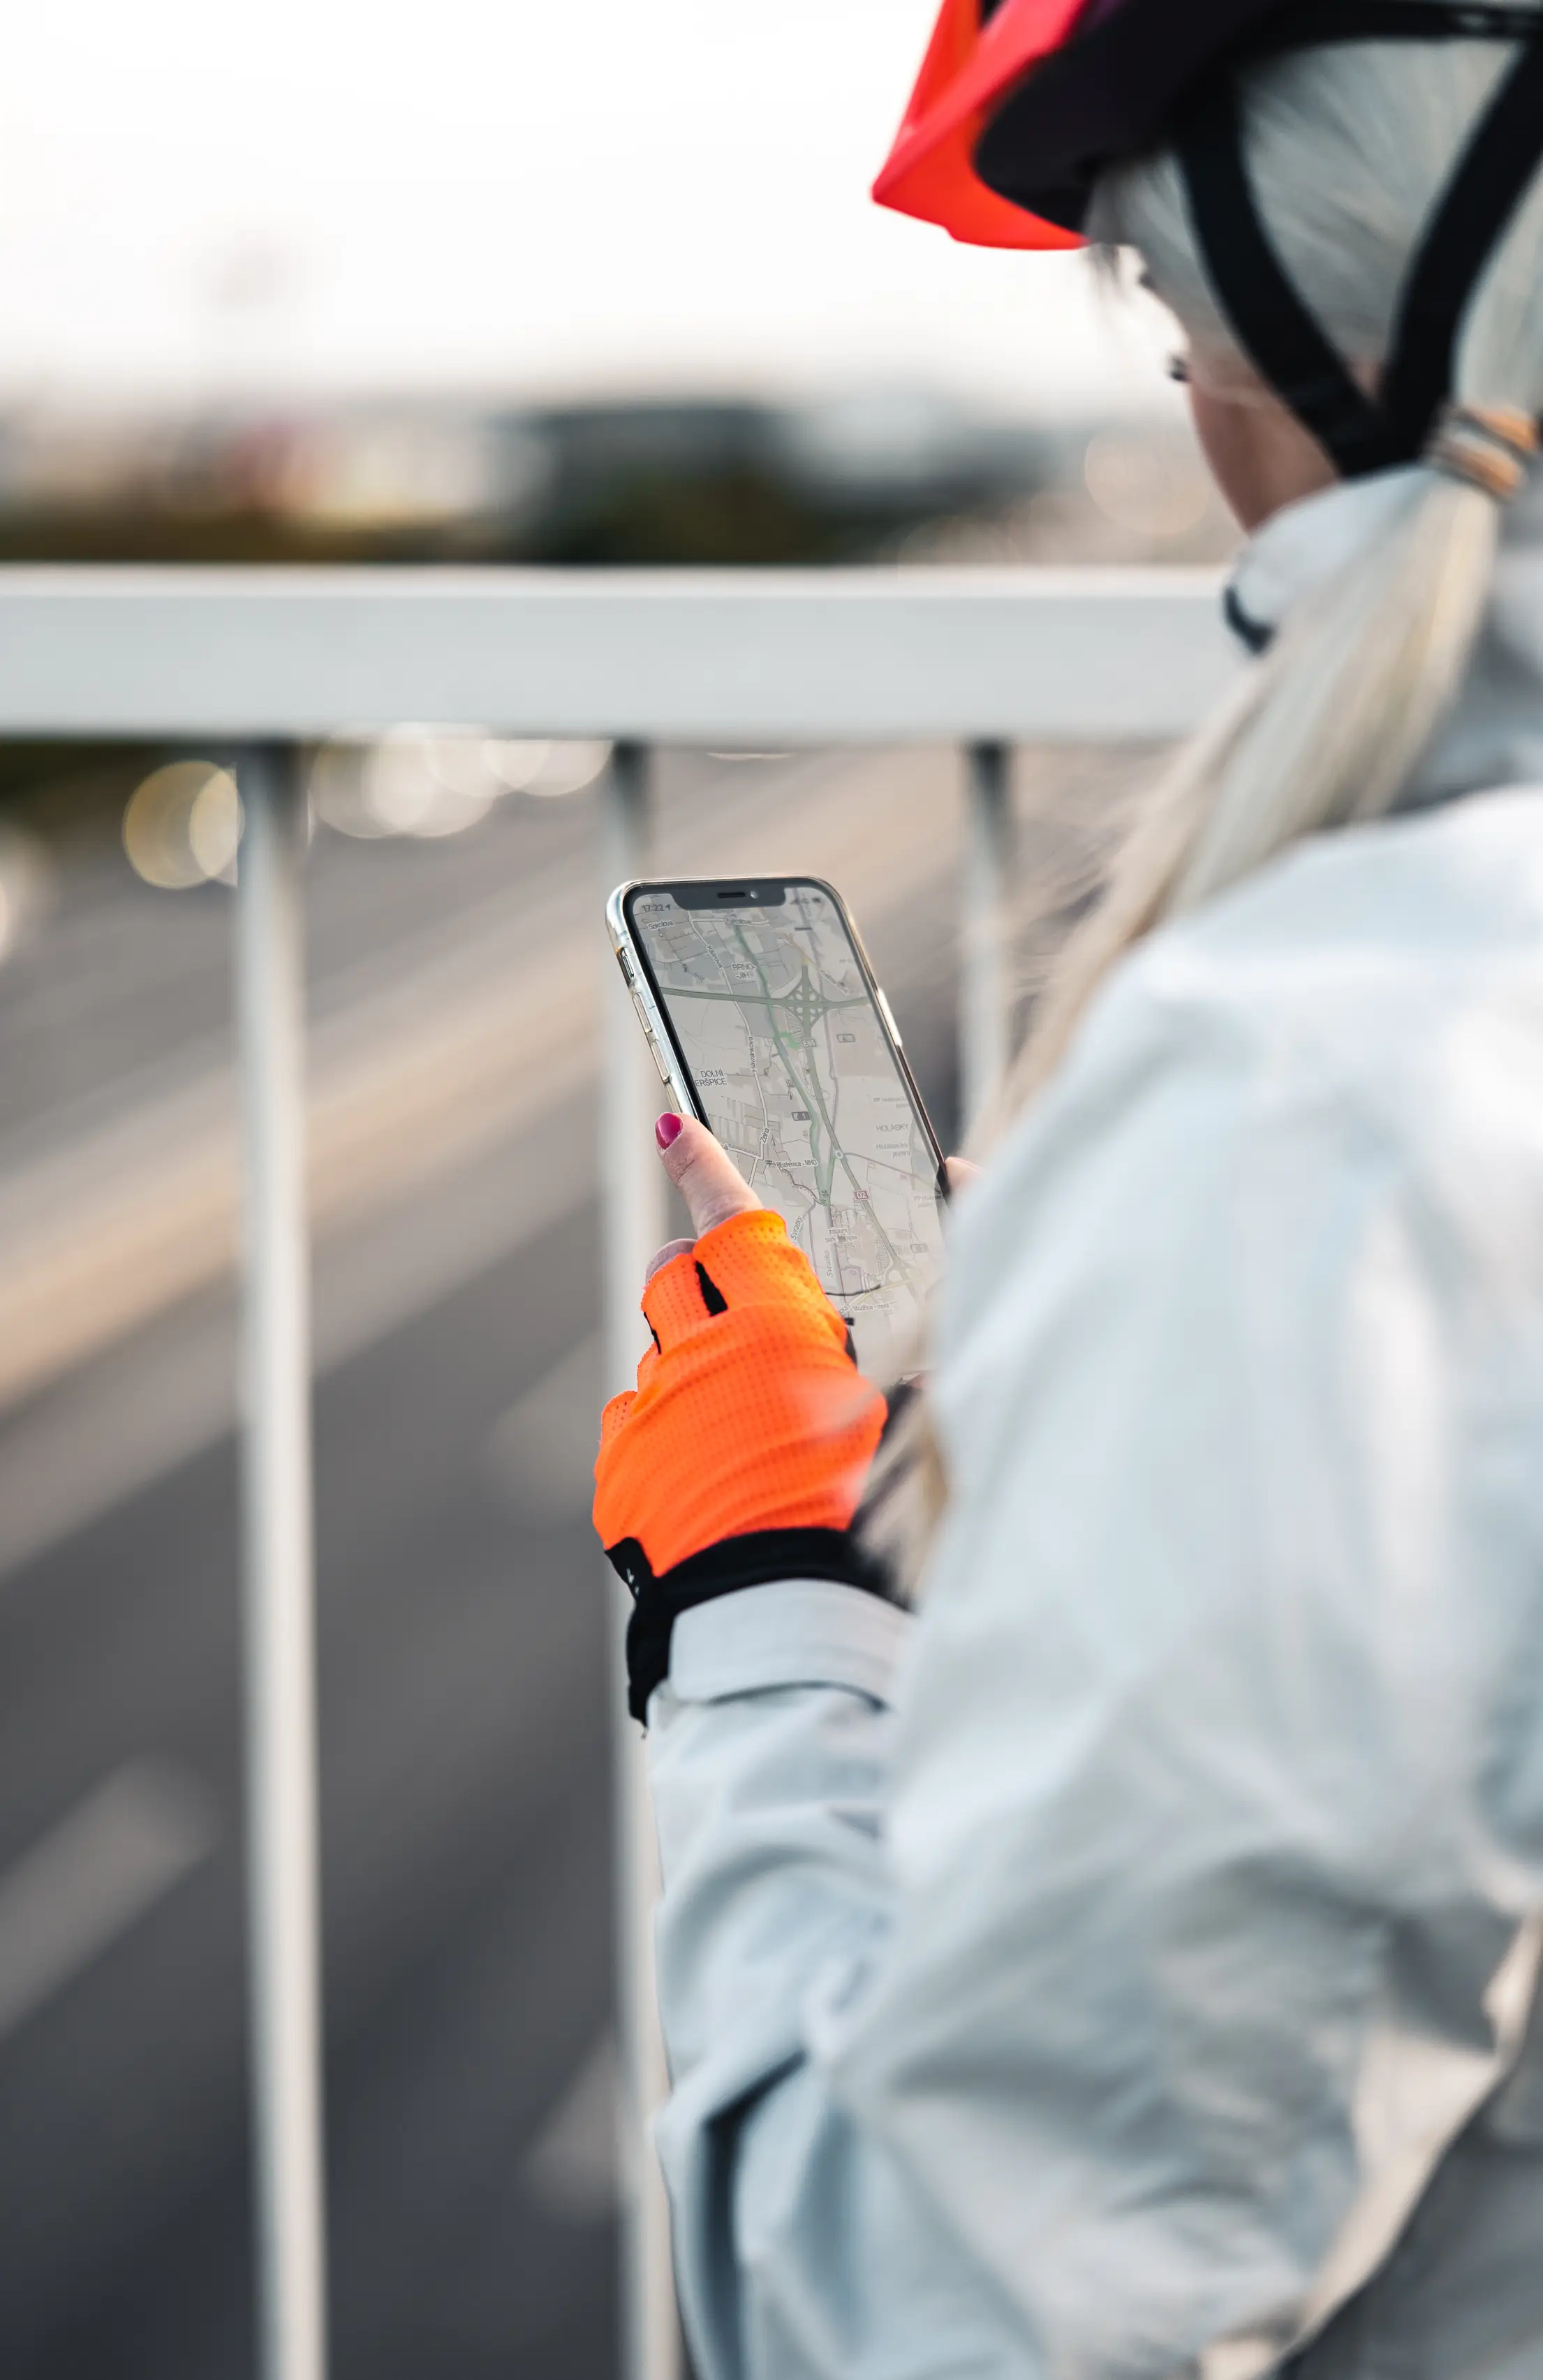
{"points": [[430, 781], [564, 768], [182, 826]]}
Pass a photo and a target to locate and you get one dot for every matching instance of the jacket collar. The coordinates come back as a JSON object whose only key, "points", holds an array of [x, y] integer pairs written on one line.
{"points": [[1494, 735]]}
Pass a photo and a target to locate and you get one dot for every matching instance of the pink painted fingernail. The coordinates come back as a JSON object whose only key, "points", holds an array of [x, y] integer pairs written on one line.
{"points": [[667, 1130]]}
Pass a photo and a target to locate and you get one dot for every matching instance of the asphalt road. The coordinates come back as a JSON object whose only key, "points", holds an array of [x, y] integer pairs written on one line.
{"points": [[463, 1673]]}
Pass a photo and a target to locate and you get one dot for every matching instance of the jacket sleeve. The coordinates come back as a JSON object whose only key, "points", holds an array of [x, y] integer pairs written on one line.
{"points": [[802, 2251]]}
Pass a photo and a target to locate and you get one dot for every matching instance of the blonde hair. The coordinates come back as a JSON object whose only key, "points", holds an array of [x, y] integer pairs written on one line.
{"points": [[1349, 148]]}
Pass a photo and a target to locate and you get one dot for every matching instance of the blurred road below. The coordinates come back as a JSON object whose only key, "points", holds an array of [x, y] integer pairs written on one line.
{"points": [[463, 1606]]}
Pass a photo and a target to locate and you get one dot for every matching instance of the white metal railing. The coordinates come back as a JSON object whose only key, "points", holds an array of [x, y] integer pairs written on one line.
{"points": [[265, 658]]}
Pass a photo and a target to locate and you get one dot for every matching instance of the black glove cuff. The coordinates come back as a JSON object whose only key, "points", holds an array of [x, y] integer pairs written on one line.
{"points": [[724, 1569]]}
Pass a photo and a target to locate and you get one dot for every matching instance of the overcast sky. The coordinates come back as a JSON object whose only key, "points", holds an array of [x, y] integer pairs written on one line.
{"points": [[542, 197]]}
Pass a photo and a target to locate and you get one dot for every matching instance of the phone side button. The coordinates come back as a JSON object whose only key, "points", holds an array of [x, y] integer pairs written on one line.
{"points": [[888, 1018], [659, 1062]]}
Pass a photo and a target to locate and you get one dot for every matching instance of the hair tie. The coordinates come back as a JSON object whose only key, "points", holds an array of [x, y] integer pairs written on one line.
{"points": [[1488, 446]]}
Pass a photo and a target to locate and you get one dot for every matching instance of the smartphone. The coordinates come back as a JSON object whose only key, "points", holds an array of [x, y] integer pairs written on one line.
{"points": [[765, 1021]]}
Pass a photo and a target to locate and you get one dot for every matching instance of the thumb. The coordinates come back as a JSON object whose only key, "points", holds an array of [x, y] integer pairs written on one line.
{"points": [[710, 1182]]}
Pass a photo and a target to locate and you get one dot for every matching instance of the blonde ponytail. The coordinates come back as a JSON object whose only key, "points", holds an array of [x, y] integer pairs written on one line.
{"points": [[1326, 728]]}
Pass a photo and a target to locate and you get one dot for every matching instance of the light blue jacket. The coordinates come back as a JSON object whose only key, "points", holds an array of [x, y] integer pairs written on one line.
{"points": [[1123, 1969]]}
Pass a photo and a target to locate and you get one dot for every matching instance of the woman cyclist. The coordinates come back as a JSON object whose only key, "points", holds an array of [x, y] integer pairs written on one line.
{"points": [[1118, 1956]]}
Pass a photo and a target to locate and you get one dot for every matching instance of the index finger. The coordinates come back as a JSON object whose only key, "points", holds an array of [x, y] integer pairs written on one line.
{"points": [[705, 1176]]}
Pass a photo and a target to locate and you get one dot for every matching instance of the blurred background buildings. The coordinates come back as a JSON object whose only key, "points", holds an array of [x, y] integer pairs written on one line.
{"points": [[887, 473]]}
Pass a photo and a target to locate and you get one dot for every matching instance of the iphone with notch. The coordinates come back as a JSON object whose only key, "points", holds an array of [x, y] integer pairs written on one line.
{"points": [[766, 1022]]}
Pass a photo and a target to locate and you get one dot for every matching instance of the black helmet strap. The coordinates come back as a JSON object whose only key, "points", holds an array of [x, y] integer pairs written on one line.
{"points": [[1276, 330]]}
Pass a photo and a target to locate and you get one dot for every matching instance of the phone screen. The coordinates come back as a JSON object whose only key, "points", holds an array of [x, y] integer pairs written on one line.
{"points": [[773, 1013]]}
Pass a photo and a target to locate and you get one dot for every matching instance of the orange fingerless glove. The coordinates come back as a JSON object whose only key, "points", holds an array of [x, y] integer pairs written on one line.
{"points": [[742, 1452]]}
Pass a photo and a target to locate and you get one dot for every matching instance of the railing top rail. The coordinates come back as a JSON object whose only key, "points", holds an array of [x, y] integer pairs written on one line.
{"points": [[838, 656]]}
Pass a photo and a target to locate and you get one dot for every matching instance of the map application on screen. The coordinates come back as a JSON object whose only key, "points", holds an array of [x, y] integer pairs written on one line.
{"points": [[796, 1077]]}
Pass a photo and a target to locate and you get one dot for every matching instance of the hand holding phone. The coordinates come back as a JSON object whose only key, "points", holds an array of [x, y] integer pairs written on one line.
{"points": [[767, 1025]]}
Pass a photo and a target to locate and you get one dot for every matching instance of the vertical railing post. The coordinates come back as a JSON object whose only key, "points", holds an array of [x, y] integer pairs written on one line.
{"points": [[984, 991], [633, 1223], [277, 1577]]}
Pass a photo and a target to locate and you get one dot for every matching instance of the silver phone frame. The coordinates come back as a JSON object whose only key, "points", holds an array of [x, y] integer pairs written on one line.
{"points": [[656, 1026], [634, 975]]}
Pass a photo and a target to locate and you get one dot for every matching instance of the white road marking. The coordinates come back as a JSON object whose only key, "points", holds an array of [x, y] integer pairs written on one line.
{"points": [[574, 2168], [542, 1452], [110, 1428], [94, 1876]]}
